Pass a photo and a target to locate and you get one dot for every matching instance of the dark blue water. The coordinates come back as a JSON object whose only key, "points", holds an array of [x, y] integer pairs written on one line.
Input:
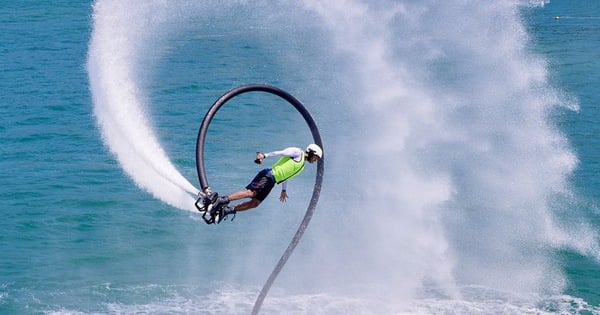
{"points": [[461, 157], [569, 42]]}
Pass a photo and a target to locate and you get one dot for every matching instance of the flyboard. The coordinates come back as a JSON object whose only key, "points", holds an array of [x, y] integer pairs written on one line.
{"points": [[207, 198]]}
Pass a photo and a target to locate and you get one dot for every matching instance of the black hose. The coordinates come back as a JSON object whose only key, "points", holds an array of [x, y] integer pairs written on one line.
{"points": [[318, 180]]}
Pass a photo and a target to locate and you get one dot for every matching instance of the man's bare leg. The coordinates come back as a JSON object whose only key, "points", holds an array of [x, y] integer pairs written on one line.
{"points": [[250, 204], [242, 194]]}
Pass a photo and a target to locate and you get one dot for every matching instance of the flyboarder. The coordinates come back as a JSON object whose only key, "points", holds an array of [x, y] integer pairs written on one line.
{"points": [[289, 165]]}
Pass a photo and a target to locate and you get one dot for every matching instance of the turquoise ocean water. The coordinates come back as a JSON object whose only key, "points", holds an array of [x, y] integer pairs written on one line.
{"points": [[460, 140]]}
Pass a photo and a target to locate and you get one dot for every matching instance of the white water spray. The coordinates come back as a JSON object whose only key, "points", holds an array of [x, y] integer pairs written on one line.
{"points": [[460, 162], [115, 59]]}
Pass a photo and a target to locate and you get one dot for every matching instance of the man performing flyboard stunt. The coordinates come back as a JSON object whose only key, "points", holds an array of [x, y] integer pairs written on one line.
{"points": [[289, 165]]}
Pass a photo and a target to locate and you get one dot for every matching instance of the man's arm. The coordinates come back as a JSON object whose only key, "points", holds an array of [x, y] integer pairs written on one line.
{"points": [[294, 153]]}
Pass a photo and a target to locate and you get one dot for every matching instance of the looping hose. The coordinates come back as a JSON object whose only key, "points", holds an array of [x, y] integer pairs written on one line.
{"points": [[318, 180]]}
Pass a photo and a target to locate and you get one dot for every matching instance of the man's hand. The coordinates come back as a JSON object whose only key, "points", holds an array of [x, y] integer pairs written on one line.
{"points": [[283, 197], [259, 157]]}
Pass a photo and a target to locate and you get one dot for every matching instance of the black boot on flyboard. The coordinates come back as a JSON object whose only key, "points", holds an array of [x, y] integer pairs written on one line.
{"points": [[213, 208]]}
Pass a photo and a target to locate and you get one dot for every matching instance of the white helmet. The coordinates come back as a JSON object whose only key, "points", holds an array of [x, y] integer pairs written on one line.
{"points": [[315, 149]]}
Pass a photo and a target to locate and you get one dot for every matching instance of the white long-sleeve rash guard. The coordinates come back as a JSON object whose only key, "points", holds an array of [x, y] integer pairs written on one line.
{"points": [[293, 152]]}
